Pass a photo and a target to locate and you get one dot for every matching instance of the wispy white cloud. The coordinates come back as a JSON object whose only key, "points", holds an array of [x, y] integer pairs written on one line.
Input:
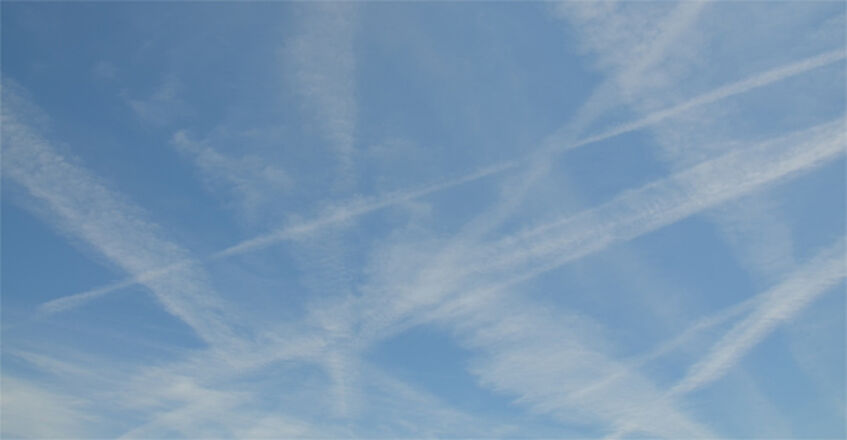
{"points": [[340, 215], [163, 106], [205, 395], [605, 98], [540, 357], [684, 193], [770, 309], [104, 70], [753, 226], [651, 79], [719, 93], [482, 274], [777, 306], [84, 207], [551, 361], [31, 411], [790, 161], [354, 208], [529, 253], [322, 68], [332, 216], [254, 181], [347, 211]]}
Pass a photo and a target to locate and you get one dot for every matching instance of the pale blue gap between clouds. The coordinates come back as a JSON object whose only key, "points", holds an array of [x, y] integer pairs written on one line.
{"points": [[690, 248]]}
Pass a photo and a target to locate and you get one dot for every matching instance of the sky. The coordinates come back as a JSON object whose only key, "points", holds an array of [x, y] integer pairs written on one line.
{"points": [[424, 220]]}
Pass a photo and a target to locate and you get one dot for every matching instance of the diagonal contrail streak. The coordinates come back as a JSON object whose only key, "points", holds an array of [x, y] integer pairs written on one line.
{"points": [[770, 309], [335, 216], [357, 208], [524, 255]]}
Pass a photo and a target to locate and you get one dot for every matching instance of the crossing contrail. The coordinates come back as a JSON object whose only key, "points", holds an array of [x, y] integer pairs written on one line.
{"points": [[349, 210]]}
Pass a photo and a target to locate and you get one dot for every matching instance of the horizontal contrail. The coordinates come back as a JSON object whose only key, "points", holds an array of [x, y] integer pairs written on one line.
{"points": [[351, 210]]}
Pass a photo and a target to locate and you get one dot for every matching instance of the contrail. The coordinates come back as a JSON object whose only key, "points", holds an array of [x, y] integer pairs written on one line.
{"points": [[779, 304], [668, 200], [636, 362], [736, 88], [71, 301], [771, 308], [351, 210], [355, 209], [336, 215], [526, 255]]}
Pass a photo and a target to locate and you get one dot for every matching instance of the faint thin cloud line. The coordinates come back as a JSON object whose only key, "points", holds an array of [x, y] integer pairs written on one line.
{"points": [[772, 307], [339, 215], [779, 304], [668, 346], [651, 207], [336, 216], [759, 80], [343, 213]]}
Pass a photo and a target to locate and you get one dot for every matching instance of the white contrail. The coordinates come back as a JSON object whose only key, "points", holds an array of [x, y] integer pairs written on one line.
{"points": [[71, 301], [779, 304], [772, 308], [736, 88], [668, 346], [526, 255], [346, 212], [335, 216], [663, 202], [78, 203]]}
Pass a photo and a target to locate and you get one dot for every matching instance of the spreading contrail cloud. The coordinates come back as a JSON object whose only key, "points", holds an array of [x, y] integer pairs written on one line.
{"points": [[770, 309], [668, 346], [668, 200], [354, 209], [779, 305], [493, 268], [334, 216]]}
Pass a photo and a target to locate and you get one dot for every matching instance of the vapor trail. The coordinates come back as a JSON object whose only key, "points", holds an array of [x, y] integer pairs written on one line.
{"points": [[357, 208]]}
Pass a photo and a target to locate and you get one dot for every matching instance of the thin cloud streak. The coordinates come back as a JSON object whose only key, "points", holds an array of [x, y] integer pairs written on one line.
{"points": [[770, 309], [352, 209], [528, 254], [779, 305], [681, 195], [538, 356], [84, 207], [334, 216], [723, 92], [69, 302], [669, 346], [659, 204], [630, 215], [770, 171], [663, 202], [323, 69], [786, 160]]}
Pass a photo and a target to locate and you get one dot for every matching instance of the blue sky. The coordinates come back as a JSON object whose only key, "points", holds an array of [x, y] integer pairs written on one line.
{"points": [[416, 220]]}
